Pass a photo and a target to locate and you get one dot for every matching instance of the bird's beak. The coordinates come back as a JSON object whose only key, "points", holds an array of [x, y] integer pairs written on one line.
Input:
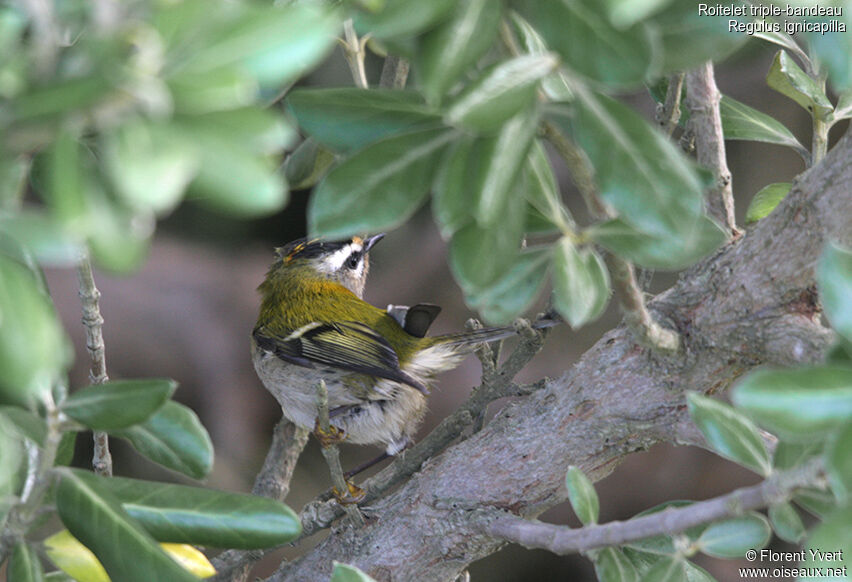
{"points": [[372, 240]]}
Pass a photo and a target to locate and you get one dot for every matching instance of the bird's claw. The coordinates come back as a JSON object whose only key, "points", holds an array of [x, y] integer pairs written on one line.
{"points": [[354, 494], [332, 436]]}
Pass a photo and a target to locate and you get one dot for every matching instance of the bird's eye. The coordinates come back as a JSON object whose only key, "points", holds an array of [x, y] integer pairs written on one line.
{"points": [[352, 261]]}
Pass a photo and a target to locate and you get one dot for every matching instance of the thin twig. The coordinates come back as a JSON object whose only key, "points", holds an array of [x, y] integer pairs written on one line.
{"points": [[644, 327], [566, 540], [702, 99], [394, 73], [353, 50], [93, 321], [668, 113], [272, 481]]}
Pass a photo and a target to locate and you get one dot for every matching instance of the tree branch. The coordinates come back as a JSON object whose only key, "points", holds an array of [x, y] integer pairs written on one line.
{"points": [[668, 113], [394, 73], [562, 540], [751, 303]]}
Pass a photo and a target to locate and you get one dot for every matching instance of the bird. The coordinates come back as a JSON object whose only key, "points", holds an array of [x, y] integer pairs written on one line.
{"points": [[377, 364]]}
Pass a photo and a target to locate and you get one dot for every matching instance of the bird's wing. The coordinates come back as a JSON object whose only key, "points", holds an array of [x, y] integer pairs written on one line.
{"points": [[349, 346]]}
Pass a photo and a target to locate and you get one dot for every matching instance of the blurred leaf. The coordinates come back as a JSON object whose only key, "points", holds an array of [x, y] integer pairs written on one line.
{"points": [[34, 350], [611, 565], [839, 463], [739, 121], [729, 433], [733, 537], [65, 450], [664, 544], [13, 460], [667, 569], [787, 78], [150, 164], [307, 164], [11, 248], [119, 236], [60, 97], [204, 517], [766, 199], [448, 51], [65, 188], [214, 90], [24, 564], [500, 93], [346, 573], [844, 106], [13, 179], [830, 546], [696, 573], [510, 295], [542, 191], [625, 13], [402, 18], [832, 50], [786, 522], [580, 283], [458, 182], [256, 130], [787, 455], [797, 404], [556, 86], [834, 280], [659, 252], [43, 236], [174, 438], [582, 495], [379, 187], [98, 521], [781, 39], [818, 502], [589, 45], [118, 404], [24, 423], [347, 119]]}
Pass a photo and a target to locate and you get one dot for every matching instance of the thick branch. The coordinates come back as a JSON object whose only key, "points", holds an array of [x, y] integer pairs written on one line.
{"points": [[752, 303], [702, 99]]}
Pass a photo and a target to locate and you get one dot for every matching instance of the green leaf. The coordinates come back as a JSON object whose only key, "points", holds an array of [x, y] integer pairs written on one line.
{"points": [[830, 546], [219, 89], [13, 179], [150, 164], [659, 252], [348, 119], [664, 544], [729, 433], [799, 404], [445, 53], [834, 280], [379, 187], [12, 248], [844, 106], [65, 184], [24, 564], [818, 502], [13, 459], [611, 565], [582, 495], [459, 182], [667, 569], [259, 131], [402, 18], [625, 13], [739, 121], [25, 423], [34, 350], [542, 191], [588, 43], [557, 85], [787, 78], [580, 283], [514, 292], [346, 573], [832, 50], [766, 199], [118, 404], [60, 97], [120, 240], [204, 517], [839, 463], [307, 164], [696, 573], [174, 438], [787, 455], [500, 93], [786, 522], [65, 450], [96, 518], [42, 235], [733, 537]]}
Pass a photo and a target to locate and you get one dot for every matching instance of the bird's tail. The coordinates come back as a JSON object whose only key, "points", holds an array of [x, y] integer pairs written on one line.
{"points": [[491, 334]]}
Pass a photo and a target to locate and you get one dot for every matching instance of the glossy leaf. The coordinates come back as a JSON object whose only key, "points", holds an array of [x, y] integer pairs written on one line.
{"points": [[307, 164], [24, 564], [556, 86], [459, 181], [799, 404], [34, 350], [346, 573], [174, 438], [542, 191], [379, 187], [733, 537], [204, 517], [729, 433], [667, 569], [739, 121], [839, 462], [834, 280], [348, 119], [611, 565], [580, 283], [510, 295], [448, 51], [402, 18], [582, 495], [118, 404], [95, 518], [588, 43], [786, 522], [500, 93], [830, 546], [787, 78], [766, 199]]}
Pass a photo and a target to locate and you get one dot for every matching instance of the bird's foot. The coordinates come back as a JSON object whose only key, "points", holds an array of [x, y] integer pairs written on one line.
{"points": [[354, 494], [333, 436]]}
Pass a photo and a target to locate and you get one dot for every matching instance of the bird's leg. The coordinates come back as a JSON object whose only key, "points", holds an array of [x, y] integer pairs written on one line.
{"points": [[332, 436], [365, 465]]}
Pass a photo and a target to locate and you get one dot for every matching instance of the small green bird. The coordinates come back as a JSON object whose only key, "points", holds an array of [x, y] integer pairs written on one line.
{"points": [[377, 364]]}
